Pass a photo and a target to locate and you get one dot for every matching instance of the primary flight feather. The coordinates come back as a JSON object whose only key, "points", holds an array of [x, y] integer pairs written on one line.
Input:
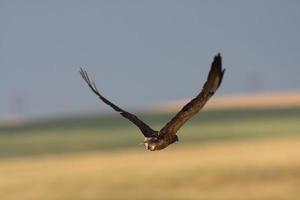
{"points": [[156, 140]]}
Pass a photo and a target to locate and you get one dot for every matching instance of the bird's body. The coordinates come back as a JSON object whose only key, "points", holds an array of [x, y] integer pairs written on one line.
{"points": [[157, 140], [157, 143]]}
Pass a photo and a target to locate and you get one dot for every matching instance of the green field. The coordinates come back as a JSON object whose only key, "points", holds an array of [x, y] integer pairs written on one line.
{"points": [[230, 154]]}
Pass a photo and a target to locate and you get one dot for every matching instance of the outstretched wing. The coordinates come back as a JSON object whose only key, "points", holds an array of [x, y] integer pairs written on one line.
{"points": [[146, 130], [212, 83]]}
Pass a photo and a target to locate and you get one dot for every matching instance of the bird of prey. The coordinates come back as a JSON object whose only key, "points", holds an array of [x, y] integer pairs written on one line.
{"points": [[157, 140]]}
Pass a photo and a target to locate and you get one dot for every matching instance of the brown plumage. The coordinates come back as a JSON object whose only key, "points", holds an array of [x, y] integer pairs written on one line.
{"points": [[156, 140]]}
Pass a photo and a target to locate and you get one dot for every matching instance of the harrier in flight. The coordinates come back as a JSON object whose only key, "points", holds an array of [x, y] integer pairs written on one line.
{"points": [[157, 140]]}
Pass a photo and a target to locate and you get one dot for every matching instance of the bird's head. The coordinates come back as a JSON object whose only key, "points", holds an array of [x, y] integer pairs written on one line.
{"points": [[158, 143], [153, 143]]}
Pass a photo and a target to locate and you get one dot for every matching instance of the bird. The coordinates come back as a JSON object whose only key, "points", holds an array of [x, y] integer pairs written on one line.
{"points": [[158, 140]]}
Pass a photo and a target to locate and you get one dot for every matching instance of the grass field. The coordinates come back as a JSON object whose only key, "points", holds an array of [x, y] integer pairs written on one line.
{"points": [[249, 169], [113, 132], [232, 154]]}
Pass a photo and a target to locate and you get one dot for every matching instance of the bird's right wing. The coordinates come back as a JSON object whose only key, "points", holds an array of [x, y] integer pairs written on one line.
{"points": [[145, 129], [212, 83]]}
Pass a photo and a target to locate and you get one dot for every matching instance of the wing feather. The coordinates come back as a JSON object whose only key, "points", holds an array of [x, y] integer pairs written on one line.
{"points": [[145, 129], [212, 83]]}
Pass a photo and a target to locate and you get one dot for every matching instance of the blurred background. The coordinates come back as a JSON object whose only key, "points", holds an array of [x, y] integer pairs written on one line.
{"points": [[58, 141]]}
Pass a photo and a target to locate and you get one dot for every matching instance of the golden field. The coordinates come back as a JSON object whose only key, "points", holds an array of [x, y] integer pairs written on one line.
{"points": [[266, 168]]}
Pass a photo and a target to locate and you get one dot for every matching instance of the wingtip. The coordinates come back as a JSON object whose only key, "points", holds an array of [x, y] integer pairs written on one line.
{"points": [[81, 70], [217, 62], [219, 54], [218, 58], [217, 68]]}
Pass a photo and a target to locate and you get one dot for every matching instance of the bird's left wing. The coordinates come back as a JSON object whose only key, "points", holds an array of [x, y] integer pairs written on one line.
{"points": [[212, 83], [145, 129]]}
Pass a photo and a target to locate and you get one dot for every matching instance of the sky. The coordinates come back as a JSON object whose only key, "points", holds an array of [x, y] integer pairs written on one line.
{"points": [[140, 53]]}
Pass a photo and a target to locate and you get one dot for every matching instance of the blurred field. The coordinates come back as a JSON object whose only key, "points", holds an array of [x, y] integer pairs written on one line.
{"points": [[71, 135], [252, 169], [222, 154]]}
